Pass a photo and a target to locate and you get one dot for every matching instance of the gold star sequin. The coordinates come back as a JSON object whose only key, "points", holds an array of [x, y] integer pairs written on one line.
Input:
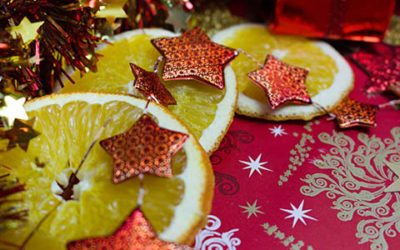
{"points": [[26, 29], [281, 83], [193, 56], [13, 109], [351, 113], [112, 9], [149, 84], [136, 233], [20, 134], [145, 148]]}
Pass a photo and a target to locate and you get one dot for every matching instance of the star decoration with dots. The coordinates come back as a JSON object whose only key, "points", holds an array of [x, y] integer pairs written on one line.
{"points": [[149, 84], [383, 69], [350, 113], [145, 148], [193, 56], [281, 83], [135, 233]]}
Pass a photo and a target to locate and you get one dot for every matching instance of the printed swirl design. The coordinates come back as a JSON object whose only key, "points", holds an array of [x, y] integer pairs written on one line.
{"points": [[210, 239], [356, 183], [230, 143], [226, 184]]}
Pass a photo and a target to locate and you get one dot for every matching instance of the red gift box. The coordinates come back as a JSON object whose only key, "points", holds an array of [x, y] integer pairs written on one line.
{"points": [[362, 20]]}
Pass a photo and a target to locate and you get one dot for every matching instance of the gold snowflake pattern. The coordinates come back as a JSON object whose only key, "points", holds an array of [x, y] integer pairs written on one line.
{"points": [[355, 177]]}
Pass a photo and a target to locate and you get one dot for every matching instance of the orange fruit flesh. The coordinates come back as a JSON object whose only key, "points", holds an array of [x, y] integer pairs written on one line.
{"points": [[66, 133], [197, 102]]}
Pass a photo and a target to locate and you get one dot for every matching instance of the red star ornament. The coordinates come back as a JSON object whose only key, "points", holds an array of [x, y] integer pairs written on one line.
{"points": [[281, 83], [135, 234], [351, 113], [149, 84], [384, 70], [193, 56], [145, 148]]}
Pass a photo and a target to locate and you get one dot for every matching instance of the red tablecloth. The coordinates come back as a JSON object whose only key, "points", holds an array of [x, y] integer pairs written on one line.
{"points": [[332, 179]]}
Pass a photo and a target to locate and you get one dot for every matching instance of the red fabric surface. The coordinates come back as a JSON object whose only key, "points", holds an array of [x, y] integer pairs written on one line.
{"points": [[372, 224]]}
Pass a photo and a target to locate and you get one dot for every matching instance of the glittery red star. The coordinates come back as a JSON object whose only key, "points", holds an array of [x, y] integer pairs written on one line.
{"points": [[282, 83], [194, 56], [351, 113], [135, 234], [149, 84], [145, 148], [384, 70]]}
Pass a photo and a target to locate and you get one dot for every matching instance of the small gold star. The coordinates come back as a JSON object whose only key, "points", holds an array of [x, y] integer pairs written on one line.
{"points": [[26, 29], [112, 10], [395, 168], [13, 109]]}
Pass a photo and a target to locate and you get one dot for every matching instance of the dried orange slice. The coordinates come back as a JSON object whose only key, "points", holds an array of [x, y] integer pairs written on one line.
{"points": [[176, 207], [206, 110], [329, 78]]}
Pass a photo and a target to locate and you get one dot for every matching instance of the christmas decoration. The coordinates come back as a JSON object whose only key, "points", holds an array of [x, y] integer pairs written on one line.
{"points": [[20, 134], [112, 9], [10, 215], [335, 19], [136, 233], [65, 39], [351, 113], [392, 35], [193, 56], [178, 18], [13, 109], [145, 148], [282, 83], [384, 70], [26, 29], [149, 84], [395, 168]]}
